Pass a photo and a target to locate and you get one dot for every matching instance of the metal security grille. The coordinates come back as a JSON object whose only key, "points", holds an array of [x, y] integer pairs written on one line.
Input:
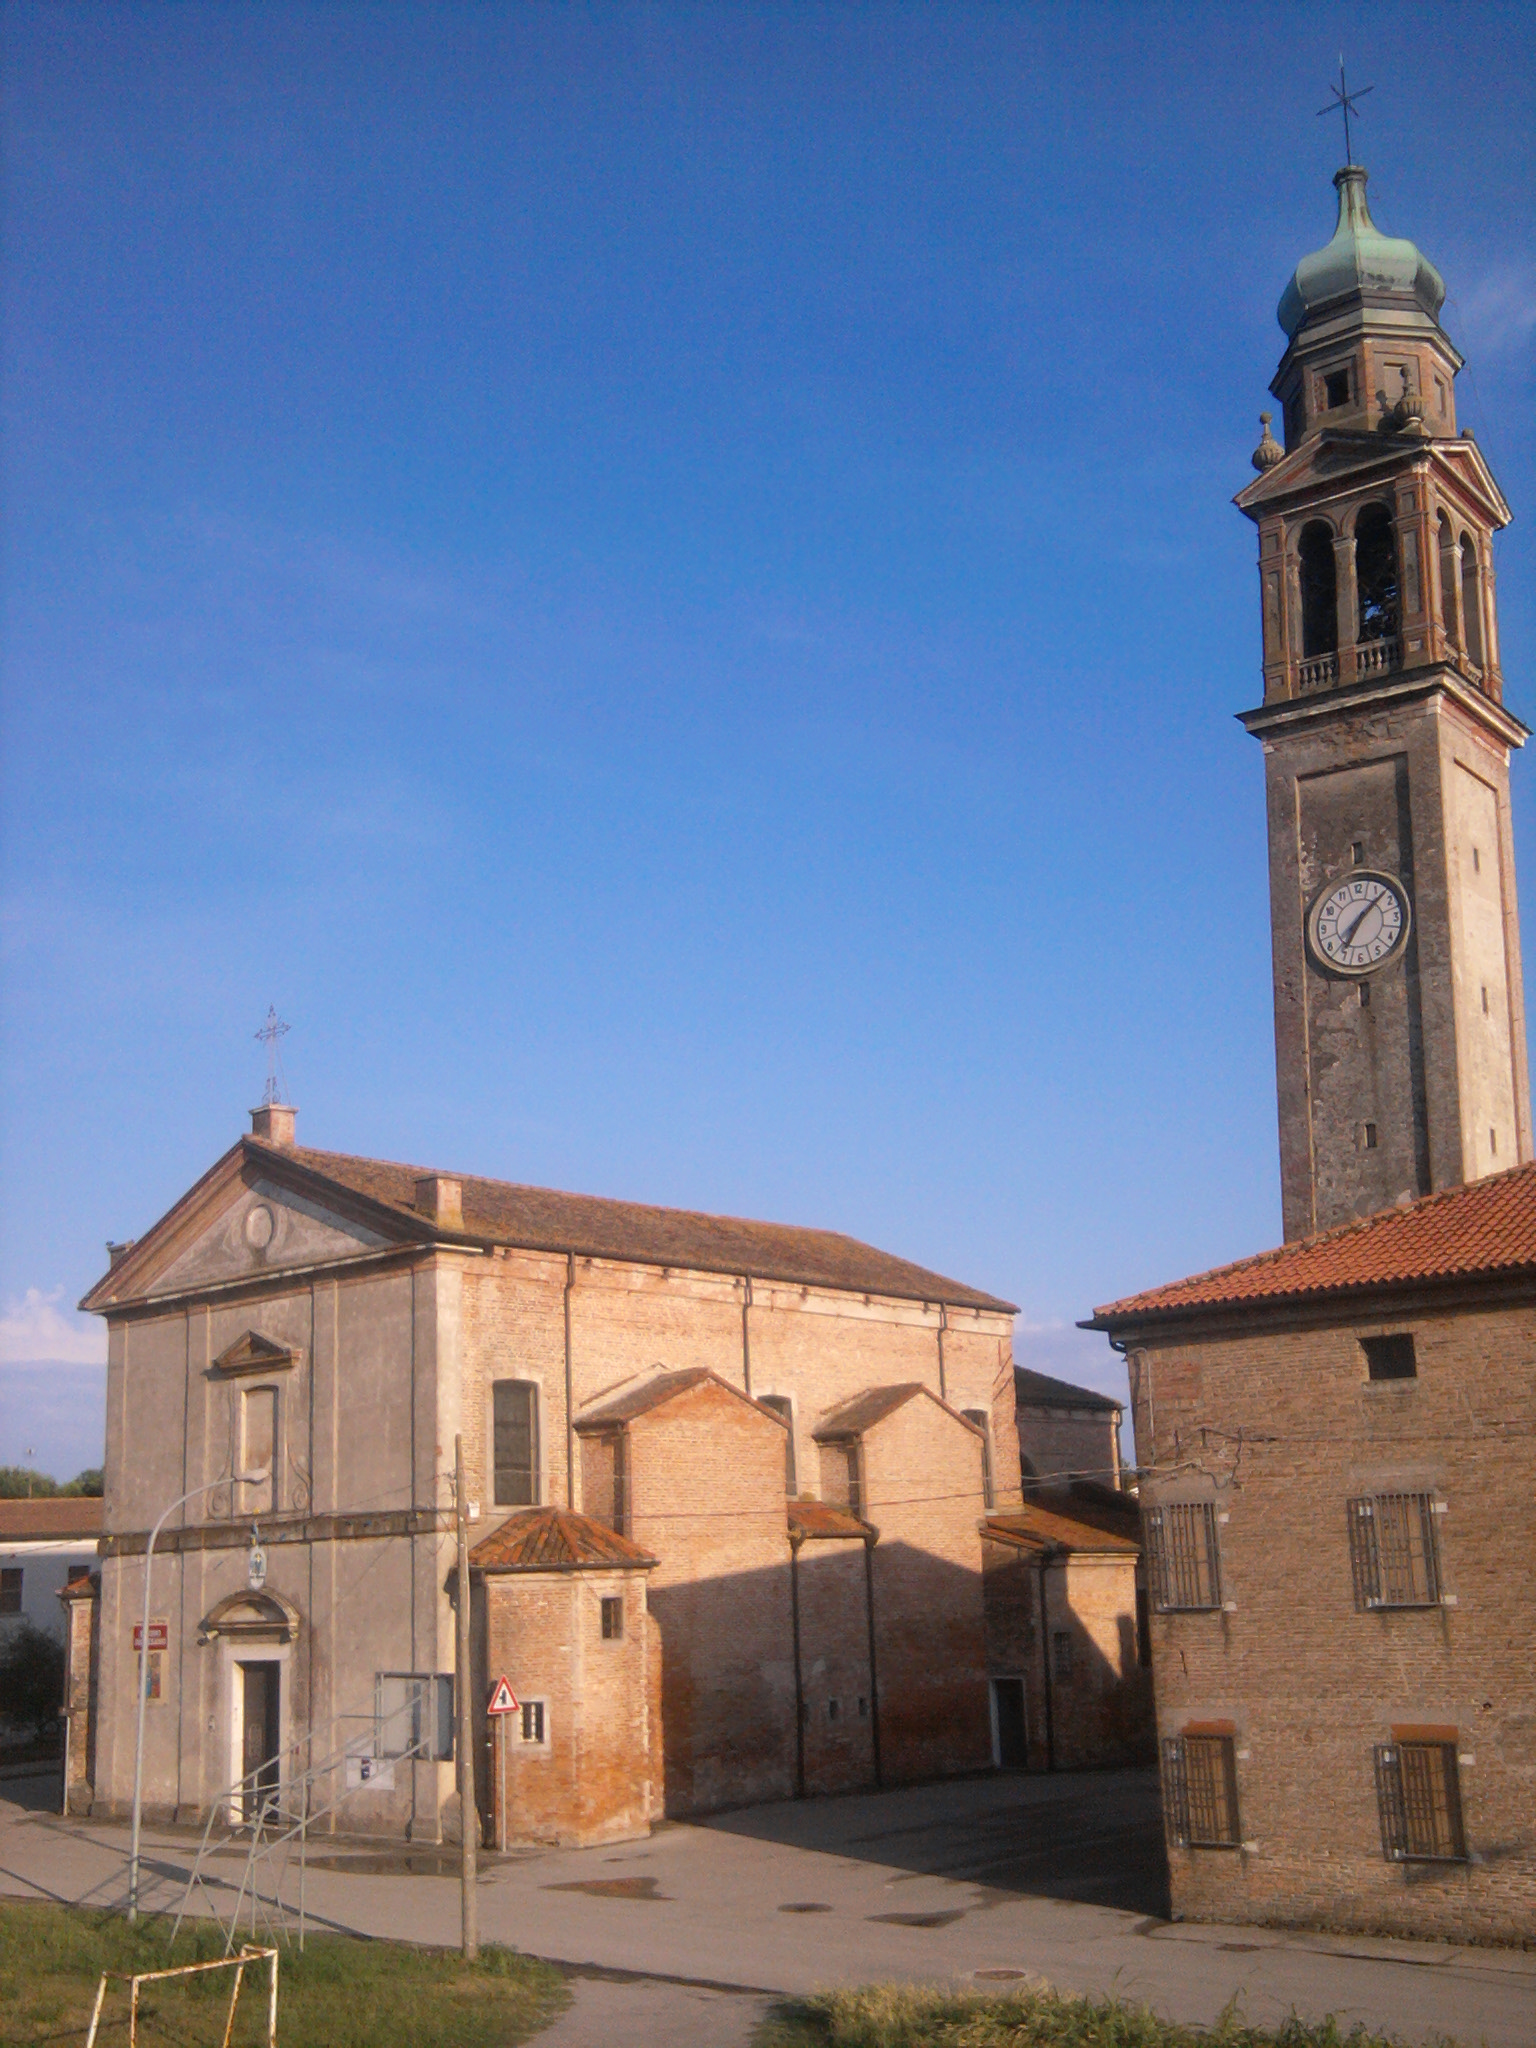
{"points": [[1418, 1792], [1200, 1791], [1186, 1570], [1394, 1550]]}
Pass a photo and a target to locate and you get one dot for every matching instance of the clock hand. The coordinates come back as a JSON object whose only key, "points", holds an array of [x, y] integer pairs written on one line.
{"points": [[1349, 936]]}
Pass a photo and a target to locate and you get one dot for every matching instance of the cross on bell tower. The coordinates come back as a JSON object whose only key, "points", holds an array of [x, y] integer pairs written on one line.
{"points": [[1399, 1004]]}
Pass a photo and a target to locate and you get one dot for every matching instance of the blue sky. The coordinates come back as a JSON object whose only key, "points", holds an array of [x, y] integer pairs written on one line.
{"points": [[662, 581]]}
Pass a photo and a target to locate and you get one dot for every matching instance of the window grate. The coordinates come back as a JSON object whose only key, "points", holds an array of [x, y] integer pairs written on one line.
{"points": [[1394, 1551], [1418, 1794], [1200, 1791], [1182, 1550]]}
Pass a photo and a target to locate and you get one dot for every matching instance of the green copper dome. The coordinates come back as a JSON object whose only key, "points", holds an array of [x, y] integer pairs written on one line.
{"points": [[1358, 259]]}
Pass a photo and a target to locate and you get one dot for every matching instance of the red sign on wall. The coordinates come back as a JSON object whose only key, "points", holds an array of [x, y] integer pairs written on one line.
{"points": [[159, 1635]]}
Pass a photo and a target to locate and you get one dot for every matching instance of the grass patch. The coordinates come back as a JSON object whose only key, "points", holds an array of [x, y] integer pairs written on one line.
{"points": [[923, 2016], [341, 1993]]}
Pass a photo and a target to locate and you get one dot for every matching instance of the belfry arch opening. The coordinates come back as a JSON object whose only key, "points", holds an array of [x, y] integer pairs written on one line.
{"points": [[1471, 603], [1376, 574], [1450, 613], [1319, 591]]}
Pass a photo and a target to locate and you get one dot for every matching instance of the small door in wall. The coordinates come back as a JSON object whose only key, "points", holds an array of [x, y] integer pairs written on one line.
{"points": [[1012, 1730], [259, 1741]]}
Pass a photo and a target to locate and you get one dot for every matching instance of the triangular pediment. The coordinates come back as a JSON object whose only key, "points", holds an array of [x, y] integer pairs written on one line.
{"points": [[243, 1221], [254, 1353]]}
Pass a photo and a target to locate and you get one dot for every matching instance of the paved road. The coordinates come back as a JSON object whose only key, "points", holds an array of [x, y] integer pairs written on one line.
{"points": [[971, 1882]]}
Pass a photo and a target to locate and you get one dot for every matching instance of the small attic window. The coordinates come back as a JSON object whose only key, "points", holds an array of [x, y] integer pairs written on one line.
{"points": [[1336, 389]]}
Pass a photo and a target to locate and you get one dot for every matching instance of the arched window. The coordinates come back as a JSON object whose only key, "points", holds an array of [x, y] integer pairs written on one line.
{"points": [[1471, 602], [1376, 573], [1449, 573], [1319, 592]]}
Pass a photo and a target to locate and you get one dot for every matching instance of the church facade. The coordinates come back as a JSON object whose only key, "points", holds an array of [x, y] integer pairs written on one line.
{"points": [[1338, 1438], [732, 1494]]}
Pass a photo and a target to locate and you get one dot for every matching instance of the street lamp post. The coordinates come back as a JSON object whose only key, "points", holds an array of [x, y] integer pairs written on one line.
{"points": [[240, 1478]]}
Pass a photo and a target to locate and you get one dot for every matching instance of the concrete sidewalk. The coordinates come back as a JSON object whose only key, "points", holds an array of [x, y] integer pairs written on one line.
{"points": [[977, 1882]]}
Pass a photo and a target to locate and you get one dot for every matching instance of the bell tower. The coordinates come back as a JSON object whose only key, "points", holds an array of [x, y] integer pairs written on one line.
{"points": [[1399, 1007]]}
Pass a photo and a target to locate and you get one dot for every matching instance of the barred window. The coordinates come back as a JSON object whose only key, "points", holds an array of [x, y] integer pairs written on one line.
{"points": [[1200, 1791], [1394, 1550], [1181, 1547], [515, 1430], [613, 1617], [531, 1724], [1418, 1790]]}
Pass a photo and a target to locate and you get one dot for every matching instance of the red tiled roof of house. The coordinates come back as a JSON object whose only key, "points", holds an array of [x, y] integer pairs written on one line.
{"points": [[1485, 1229], [595, 1226], [54, 1520], [818, 1519], [554, 1540], [1064, 1525]]}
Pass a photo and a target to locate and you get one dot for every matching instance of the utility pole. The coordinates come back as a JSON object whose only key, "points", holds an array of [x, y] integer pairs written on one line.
{"points": [[469, 1812]]}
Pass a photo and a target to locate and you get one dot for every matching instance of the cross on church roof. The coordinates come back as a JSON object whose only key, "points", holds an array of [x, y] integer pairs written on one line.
{"points": [[1347, 103], [269, 1034]]}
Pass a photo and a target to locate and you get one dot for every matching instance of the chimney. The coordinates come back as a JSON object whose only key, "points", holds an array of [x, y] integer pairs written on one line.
{"points": [[441, 1198], [273, 1123], [116, 1253]]}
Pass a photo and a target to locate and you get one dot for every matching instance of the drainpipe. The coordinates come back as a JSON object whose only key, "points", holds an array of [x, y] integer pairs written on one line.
{"points": [[943, 1326], [1045, 1666], [570, 1420], [874, 1679], [795, 1542], [746, 1335]]}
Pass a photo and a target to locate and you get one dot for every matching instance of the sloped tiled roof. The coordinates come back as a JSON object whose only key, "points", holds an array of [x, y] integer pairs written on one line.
{"points": [[816, 1518], [595, 1226], [1062, 1523], [659, 1388], [865, 1410], [55, 1520], [554, 1540], [1039, 1390], [1486, 1229]]}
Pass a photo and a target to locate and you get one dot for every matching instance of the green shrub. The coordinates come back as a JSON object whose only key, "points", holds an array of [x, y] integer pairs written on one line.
{"points": [[31, 1679]]}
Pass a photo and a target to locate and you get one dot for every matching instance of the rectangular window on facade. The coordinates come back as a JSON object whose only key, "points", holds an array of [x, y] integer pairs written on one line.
{"points": [[1390, 1358], [982, 1421], [515, 1427], [10, 1589], [781, 1405], [1200, 1791], [258, 1448], [1394, 1550], [1183, 1557], [1418, 1792], [413, 1715], [613, 1618], [531, 1722], [1336, 389]]}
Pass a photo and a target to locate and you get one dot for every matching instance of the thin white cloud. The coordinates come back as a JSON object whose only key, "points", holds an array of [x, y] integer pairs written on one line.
{"points": [[1498, 313], [33, 1332]]}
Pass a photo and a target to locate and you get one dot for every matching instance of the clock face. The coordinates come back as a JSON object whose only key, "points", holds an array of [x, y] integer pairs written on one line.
{"points": [[1359, 924]]}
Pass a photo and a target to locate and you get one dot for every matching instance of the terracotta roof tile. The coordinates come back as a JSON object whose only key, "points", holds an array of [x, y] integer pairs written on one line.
{"points": [[1485, 1229], [594, 1226], [1064, 1524], [817, 1519], [54, 1520], [554, 1540]]}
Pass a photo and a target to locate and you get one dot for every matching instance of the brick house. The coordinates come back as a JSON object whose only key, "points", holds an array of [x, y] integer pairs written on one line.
{"points": [[1338, 1446], [1065, 1431], [729, 1488]]}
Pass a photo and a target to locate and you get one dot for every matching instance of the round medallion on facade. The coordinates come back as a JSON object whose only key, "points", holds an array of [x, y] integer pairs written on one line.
{"points": [[1359, 924], [260, 1227]]}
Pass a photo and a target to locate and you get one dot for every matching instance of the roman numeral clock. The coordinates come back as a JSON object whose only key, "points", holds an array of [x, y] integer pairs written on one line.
{"points": [[1399, 1007]]}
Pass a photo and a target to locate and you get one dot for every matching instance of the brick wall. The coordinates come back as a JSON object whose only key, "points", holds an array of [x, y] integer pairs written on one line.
{"points": [[1280, 1429]]}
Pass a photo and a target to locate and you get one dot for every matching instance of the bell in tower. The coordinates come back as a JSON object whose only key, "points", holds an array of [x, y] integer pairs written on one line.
{"points": [[1399, 1008]]}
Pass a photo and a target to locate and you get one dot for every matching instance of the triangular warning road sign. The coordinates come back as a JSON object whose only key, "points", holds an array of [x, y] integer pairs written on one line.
{"points": [[503, 1698]]}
